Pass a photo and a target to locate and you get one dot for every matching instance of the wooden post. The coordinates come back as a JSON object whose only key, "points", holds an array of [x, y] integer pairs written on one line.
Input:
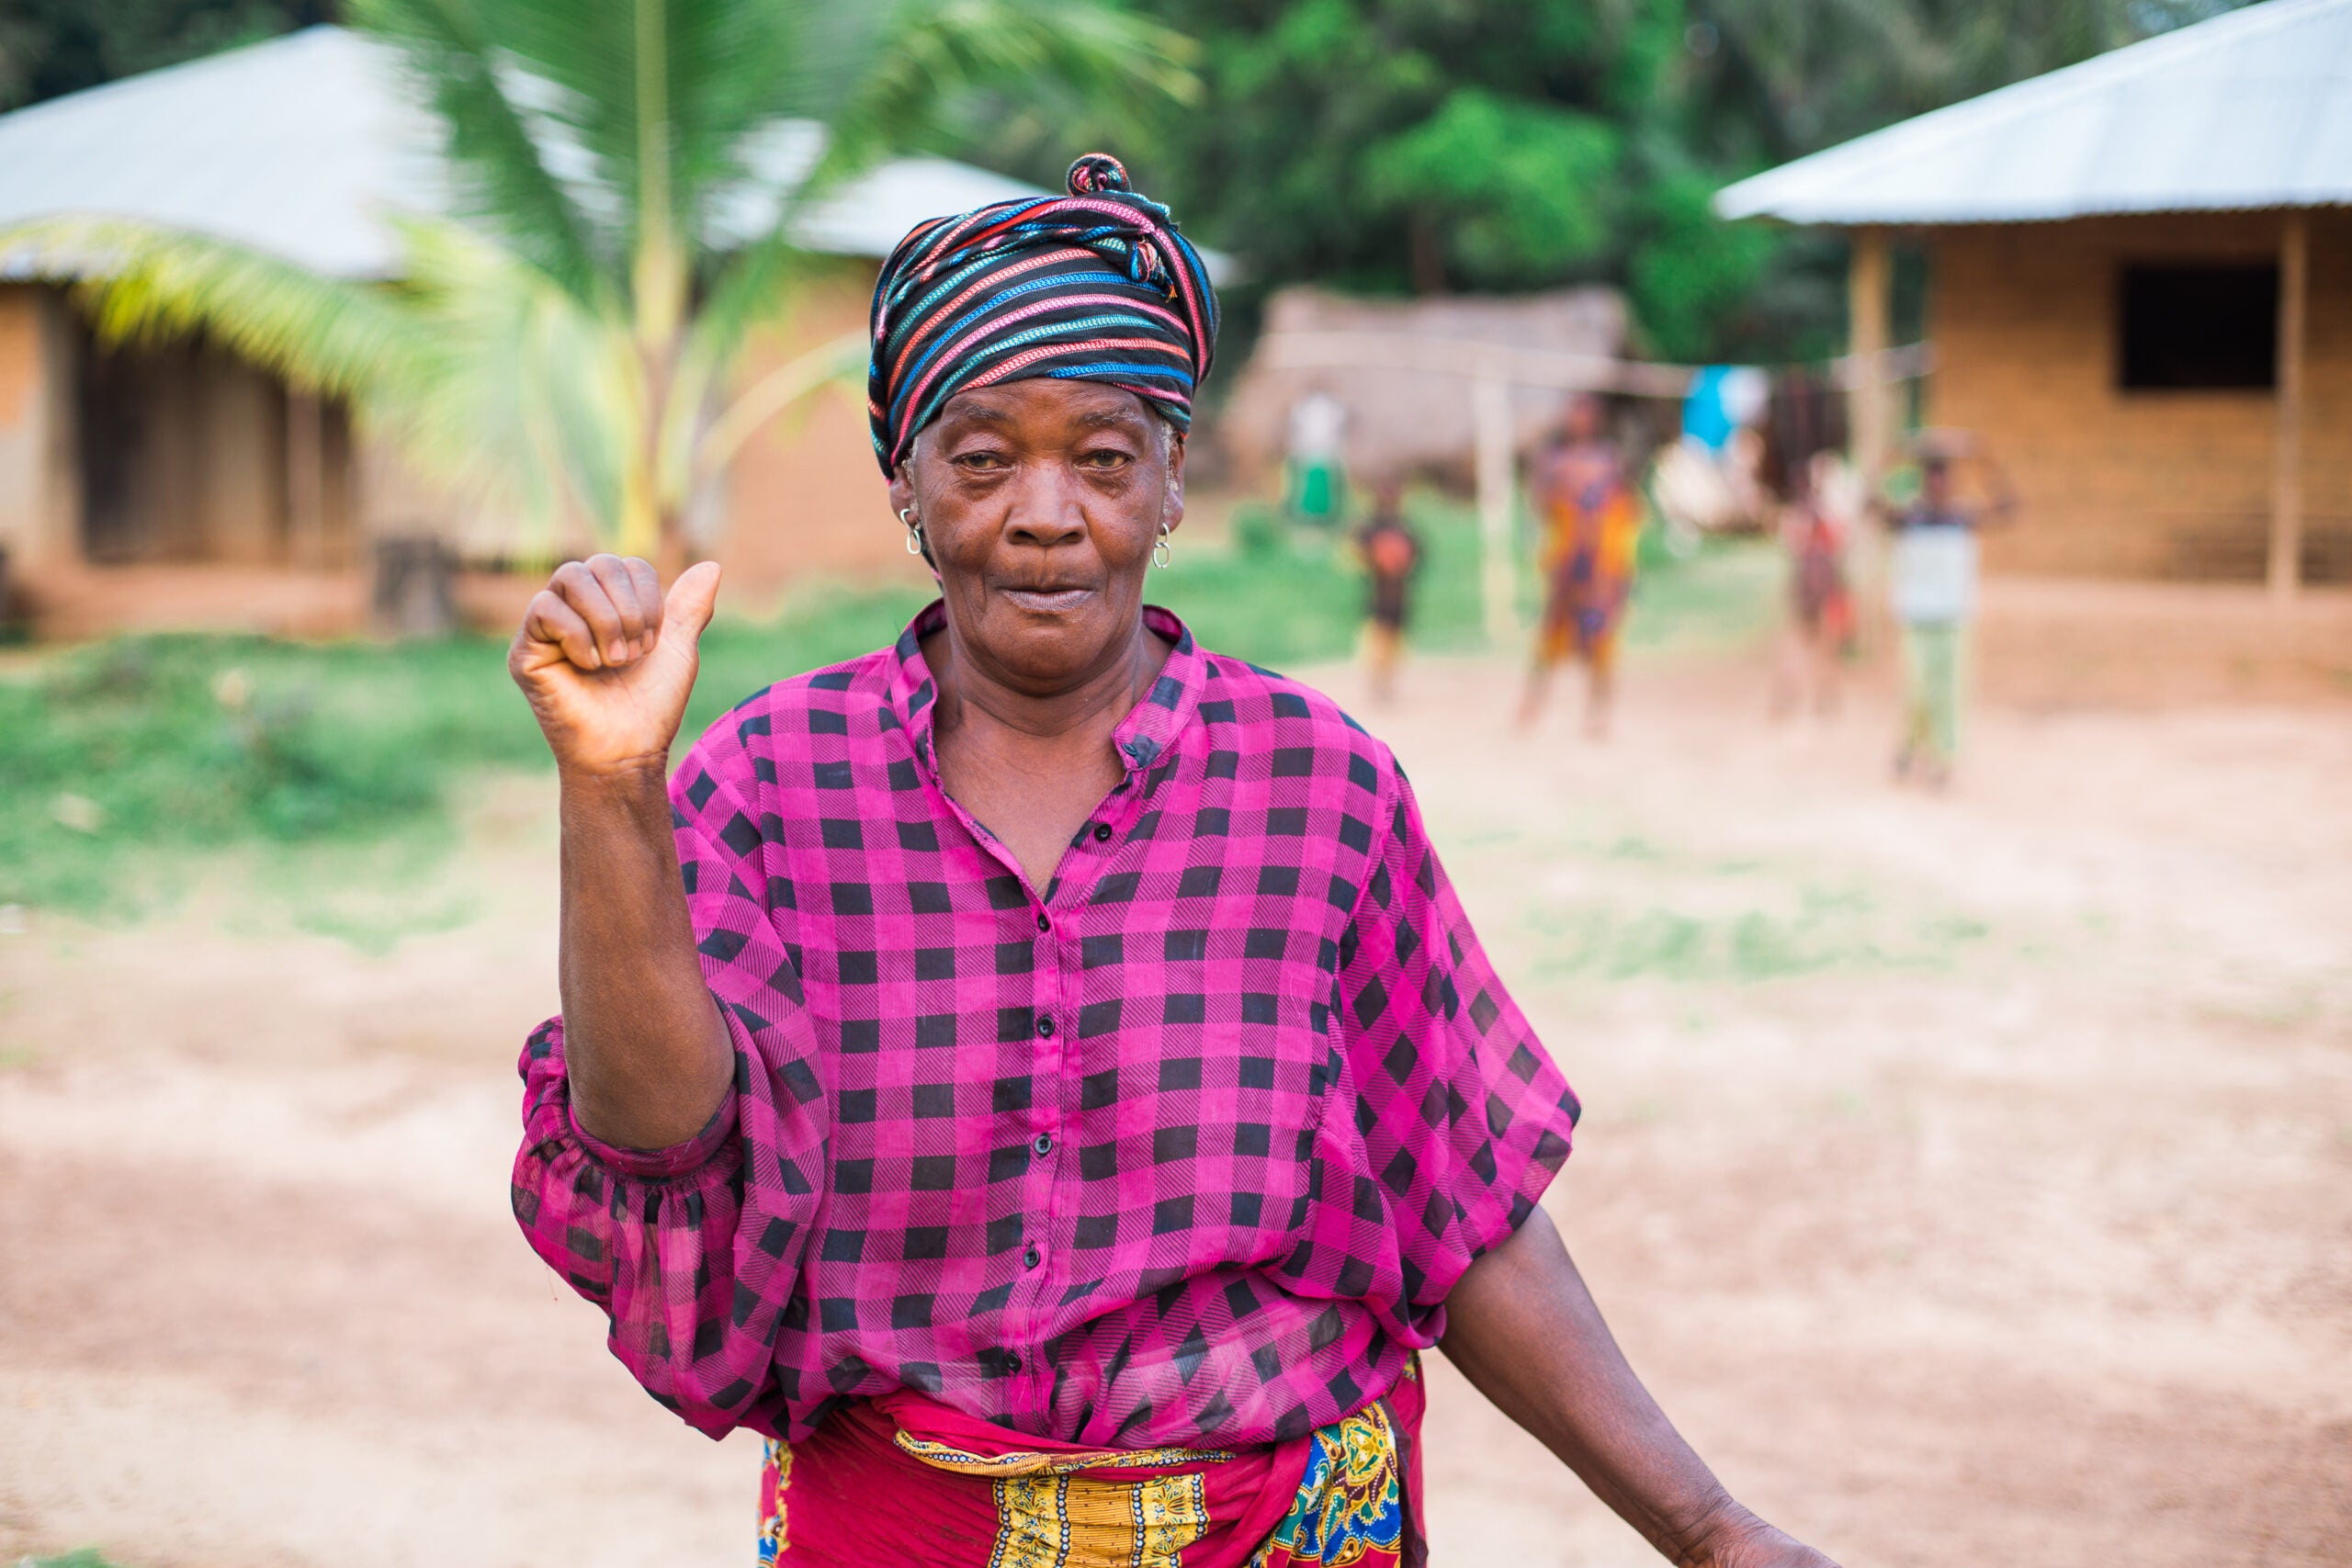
{"points": [[2286, 477], [1870, 406], [1490, 415]]}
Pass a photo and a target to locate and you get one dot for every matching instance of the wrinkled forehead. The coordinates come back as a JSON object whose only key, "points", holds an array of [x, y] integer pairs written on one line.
{"points": [[1048, 409]]}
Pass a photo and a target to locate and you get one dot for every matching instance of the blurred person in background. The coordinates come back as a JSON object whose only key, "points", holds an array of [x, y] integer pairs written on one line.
{"points": [[1315, 476], [1038, 1074], [1391, 551], [1815, 532], [1933, 576], [1591, 518]]}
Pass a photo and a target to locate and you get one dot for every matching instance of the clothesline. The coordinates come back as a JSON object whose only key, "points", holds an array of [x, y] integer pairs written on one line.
{"points": [[1563, 370]]}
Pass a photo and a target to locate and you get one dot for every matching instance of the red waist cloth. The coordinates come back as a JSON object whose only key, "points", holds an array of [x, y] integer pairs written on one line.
{"points": [[902, 1479]]}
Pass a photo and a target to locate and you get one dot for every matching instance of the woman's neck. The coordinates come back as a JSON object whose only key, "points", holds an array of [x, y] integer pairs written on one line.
{"points": [[1089, 707], [1032, 765]]}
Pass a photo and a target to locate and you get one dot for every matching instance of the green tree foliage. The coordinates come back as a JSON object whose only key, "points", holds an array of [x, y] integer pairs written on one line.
{"points": [[1767, 80], [632, 173], [1434, 145], [1393, 145], [48, 47]]}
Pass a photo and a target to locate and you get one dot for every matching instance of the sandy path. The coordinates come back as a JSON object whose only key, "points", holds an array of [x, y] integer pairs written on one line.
{"points": [[1968, 1175]]}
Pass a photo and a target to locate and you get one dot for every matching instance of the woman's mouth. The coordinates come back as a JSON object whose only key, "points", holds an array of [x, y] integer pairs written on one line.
{"points": [[1046, 601]]}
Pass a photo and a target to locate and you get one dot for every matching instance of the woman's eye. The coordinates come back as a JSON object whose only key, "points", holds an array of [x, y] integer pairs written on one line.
{"points": [[981, 462], [1106, 459]]}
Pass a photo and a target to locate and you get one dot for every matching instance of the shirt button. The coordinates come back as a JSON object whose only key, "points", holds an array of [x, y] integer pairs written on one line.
{"points": [[1041, 922], [1044, 1143], [1101, 832], [1031, 1259], [1045, 1029], [1013, 1360]]}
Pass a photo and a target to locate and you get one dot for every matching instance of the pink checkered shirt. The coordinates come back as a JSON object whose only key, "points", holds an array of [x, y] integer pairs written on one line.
{"points": [[1186, 1147]]}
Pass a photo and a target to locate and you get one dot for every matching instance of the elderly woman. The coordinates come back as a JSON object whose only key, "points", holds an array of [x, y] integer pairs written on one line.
{"points": [[1038, 1074]]}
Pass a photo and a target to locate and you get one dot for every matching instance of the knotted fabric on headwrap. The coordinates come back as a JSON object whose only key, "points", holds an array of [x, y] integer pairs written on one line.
{"points": [[1095, 286]]}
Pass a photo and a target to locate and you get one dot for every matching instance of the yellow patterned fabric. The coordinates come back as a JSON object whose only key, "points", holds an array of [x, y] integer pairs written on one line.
{"points": [[902, 1482], [1072, 1521], [1053, 1512]]}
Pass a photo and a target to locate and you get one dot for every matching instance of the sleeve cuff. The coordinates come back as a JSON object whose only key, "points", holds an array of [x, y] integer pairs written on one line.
{"points": [[659, 1164]]}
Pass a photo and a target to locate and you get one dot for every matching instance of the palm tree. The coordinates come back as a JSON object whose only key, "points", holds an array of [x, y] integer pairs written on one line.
{"points": [[630, 173]]}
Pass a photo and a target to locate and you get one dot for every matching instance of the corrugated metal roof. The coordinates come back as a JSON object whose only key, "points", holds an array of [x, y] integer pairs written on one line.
{"points": [[2252, 108], [300, 146]]}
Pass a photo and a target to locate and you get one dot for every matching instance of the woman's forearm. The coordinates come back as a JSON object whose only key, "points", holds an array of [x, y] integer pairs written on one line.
{"points": [[648, 1057], [1524, 1330]]}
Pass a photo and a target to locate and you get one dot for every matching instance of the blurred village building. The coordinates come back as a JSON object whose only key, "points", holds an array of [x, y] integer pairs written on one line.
{"points": [[1399, 368], [175, 484], [2139, 293]]}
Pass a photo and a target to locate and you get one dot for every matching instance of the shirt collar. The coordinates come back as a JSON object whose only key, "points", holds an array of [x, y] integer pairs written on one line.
{"points": [[1149, 729]]}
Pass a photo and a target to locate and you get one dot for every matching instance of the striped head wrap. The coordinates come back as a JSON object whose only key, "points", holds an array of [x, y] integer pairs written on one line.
{"points": [[1095, 286]]}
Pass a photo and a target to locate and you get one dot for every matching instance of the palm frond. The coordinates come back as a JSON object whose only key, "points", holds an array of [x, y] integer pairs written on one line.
{"points": [[570, 344], [940, 49], [739, 68], [347, 340], [882, 85], [500, 155], [531, 396]]}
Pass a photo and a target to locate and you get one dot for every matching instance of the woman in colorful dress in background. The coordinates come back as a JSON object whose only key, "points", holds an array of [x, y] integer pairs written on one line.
{"points": [[1591, 517], [1038, 1074], [1815, 534]]}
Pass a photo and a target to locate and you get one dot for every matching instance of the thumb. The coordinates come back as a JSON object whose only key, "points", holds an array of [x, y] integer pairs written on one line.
{"points": [[685, 611]]}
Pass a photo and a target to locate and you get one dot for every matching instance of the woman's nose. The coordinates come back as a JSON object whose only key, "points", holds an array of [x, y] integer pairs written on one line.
{"points": [[1046, 510]]}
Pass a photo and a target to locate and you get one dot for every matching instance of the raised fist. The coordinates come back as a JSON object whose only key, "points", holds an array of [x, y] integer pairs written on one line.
{"points": [[607, 662]]}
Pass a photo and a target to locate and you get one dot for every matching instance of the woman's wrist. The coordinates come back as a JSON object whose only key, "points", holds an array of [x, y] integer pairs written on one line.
{"points": [[1720, 1535], [623, 779]]}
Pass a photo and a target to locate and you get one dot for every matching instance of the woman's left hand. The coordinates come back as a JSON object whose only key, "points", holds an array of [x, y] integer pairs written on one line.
{"points": [[1522, 1328]]}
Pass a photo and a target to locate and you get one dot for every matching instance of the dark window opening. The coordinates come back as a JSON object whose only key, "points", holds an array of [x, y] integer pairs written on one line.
{"points": [[2199, 328], [189, 454]]}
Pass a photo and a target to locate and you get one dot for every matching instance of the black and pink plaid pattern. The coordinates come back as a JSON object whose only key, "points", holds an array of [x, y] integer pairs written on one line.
{"points": [[1186, 1147]]}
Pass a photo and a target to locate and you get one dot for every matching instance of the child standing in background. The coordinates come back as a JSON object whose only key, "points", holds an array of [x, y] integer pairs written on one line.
{"points": [[1392, 557], [1934, 580]]}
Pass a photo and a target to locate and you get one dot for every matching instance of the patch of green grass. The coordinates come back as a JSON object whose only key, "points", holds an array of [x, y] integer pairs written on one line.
{"points": [[1726, 596], [1828, 929], [1284, 596], [123, 763], [124, 758], [87, 1558], [1292, 596]]}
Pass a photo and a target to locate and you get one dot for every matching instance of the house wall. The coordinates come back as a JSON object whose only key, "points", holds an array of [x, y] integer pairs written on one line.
{"points": [[204, 473], [804, 498], [1402, 420], [2024, 319], [39, 505]]}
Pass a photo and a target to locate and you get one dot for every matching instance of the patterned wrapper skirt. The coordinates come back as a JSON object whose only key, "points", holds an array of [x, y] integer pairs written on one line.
{"points": [[905, 1480]]}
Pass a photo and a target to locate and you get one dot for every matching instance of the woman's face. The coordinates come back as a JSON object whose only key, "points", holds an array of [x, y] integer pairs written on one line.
{"points": [[1041, 501]]}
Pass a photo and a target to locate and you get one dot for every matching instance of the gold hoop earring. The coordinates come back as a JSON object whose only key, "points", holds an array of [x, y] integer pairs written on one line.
{"points": [[914, 530], [1160, 551]]}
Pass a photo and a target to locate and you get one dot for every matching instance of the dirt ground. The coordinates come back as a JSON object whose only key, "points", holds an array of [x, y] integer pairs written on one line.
{"points": [[1970, 1176]]}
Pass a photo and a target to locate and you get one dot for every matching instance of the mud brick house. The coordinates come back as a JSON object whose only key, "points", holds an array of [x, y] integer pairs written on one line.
{"points": [[2139, 291], [175, 484]]}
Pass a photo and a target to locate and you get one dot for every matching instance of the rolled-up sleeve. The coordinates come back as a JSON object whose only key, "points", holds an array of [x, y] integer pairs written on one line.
{"points": [[693, 1251], [1451, 1119]]}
